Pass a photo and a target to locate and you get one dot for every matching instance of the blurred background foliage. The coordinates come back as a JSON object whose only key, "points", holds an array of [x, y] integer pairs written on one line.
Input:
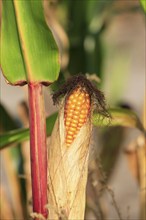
{"points": [[103, 39]]}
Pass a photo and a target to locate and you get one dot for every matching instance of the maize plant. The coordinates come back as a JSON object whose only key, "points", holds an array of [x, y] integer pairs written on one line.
{"points": [[69, 148], [31, 57]]}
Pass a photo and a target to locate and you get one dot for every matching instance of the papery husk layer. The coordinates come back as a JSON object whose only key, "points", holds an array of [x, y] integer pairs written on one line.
{"points": [[67, 172]]}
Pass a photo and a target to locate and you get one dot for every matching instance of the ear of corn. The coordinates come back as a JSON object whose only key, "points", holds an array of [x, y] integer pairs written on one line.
{"points": [[69, 148], [68, 166], [77, 108]]}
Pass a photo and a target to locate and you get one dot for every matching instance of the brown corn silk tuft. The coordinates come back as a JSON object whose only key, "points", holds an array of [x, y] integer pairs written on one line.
{"points": [[77, 108]]}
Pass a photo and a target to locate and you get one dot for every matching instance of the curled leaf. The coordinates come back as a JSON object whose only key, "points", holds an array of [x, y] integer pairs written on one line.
{"points": [[143, 3], [119, 117]]}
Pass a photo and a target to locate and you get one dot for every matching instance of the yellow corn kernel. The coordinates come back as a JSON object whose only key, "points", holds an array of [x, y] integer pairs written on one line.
{"points": [[73, 125], [74, 121], [72, 128], [69, 137], [68, 118], [82, 116], [68, 143], [81, 120], [75, 117], [72, 97], [79, 103], [70, 132], [74, 100], [84, 111], [76, 110], [67, 123], [70, 114]]}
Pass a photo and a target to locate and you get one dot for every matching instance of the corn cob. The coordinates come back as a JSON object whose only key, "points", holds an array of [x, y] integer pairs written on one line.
{"points": [[77, 108]]}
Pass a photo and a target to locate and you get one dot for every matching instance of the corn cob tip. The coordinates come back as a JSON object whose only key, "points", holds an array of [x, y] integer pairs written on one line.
{"points": [[81, 98], [76, 111]]}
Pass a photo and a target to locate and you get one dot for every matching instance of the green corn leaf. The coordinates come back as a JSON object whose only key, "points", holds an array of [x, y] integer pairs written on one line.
{"points": [[20, 135], [28, 49], [120, 117], [143, 3], [12, 63], [7, 123]]}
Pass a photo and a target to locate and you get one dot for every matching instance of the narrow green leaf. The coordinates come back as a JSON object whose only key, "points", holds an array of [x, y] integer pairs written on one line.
{"points": [[119, 117], [7, 123], [143, 3], [20, 135], [31, 52]]}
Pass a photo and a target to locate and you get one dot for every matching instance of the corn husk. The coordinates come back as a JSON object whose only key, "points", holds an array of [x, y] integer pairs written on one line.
{"points": [[5, 206], [10, 184], [136, 157], [67, 172], [141, 153]]}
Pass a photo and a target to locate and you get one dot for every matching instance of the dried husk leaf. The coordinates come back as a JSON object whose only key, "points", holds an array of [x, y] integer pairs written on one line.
{"points": [[5, 206], [136, 157], [141, 153], [67, 171]]}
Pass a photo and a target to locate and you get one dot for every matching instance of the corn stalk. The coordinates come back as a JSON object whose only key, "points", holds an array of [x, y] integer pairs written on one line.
{"points": [[38, 149]]}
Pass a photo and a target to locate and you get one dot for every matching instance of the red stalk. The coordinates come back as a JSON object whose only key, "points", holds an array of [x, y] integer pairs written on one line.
{"points": [[38, 149]]}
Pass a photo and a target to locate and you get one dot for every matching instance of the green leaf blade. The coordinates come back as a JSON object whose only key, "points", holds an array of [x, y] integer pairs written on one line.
{"points": [[143, 3], [119, 117], [11, 55], [31, 53], [20, 135], [39, 47]]}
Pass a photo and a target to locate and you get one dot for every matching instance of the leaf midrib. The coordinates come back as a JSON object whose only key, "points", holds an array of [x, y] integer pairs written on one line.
{"points": [[22, 41]]}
